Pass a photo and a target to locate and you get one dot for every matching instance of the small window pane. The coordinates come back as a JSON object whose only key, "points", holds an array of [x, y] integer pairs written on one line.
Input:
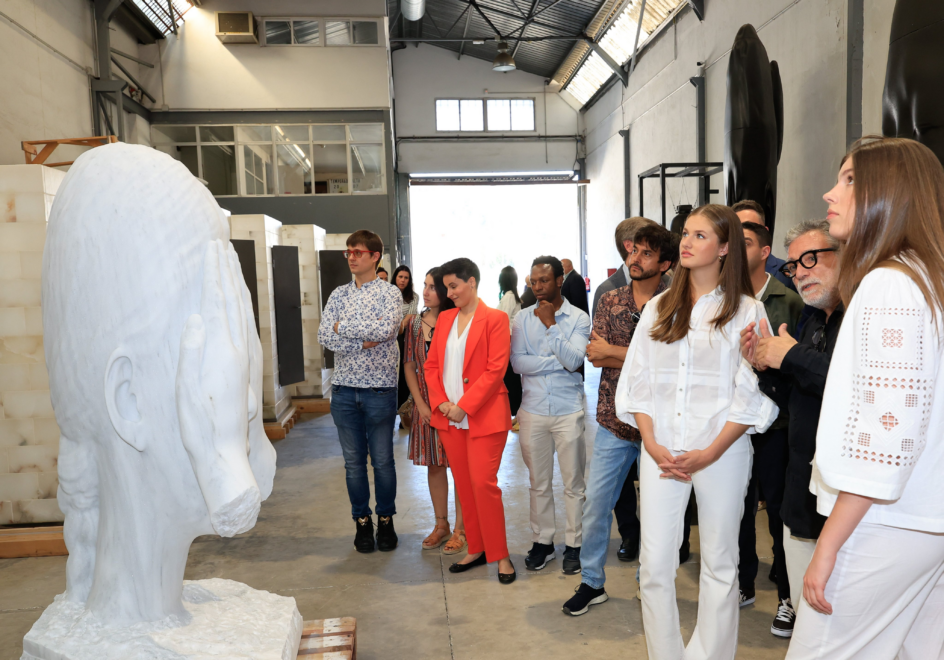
{"points": [[186, 155], [219, 169], [254, 133], [330, 166], [366, 166], [328, 133], [338, 33], [168, 134], [499, 114], [278, 33], [447, 115], [366, 132], [291, 133], [365, 32], [470, 115], [307, 32], [522, 115], [216, 133], [294, 169]]}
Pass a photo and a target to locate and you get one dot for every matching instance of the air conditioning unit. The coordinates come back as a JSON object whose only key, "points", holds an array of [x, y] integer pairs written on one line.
{"points": [[236, 27]]}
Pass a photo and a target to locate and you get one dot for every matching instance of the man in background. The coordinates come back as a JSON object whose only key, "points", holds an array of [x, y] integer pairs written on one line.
{"points": [[748, 210], [624, 236], [574, 288], [527, 298]]}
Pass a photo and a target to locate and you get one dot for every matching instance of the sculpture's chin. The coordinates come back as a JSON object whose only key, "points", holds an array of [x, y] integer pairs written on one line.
{"points": [[238, 515]]}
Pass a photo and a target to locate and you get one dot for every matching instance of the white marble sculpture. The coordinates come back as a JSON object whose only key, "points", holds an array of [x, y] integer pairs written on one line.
{"points": [[155, 372]]}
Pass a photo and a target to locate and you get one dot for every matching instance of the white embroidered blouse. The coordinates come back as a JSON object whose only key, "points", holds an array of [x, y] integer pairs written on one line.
{"points": [[692, 387], [883, 436]]}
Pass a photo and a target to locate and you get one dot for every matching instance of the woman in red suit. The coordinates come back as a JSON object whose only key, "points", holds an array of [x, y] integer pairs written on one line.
{"points": [[465, 372]]}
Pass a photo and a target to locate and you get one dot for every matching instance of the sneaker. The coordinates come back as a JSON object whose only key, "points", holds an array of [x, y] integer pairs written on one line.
{"points": [[364, 538], [386, 535], [639, 594], [538, 556], [746, 597], [571, 560], [584, 597], [783, 622]]}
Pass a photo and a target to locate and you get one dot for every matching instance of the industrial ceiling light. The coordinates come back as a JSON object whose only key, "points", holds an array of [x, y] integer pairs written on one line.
{"points": [[503, 61]]}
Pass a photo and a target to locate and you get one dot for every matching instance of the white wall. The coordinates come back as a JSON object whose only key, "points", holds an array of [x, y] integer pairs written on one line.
{"points": [[422, 75], [201, 73], [806, 37]]}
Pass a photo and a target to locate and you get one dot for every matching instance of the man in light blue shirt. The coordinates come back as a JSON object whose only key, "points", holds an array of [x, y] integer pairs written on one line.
{"points": [[548, 346]]}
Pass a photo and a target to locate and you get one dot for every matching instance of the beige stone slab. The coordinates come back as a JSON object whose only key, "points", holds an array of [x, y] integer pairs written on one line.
{"points": [[19, 350], [27, 178], [4, 460], [34, 320], [48, 485], [31, 207], [14, 377], [19, 486], [31, 265], [9, 261], [47, 432], [39, 510], [7, 206], [17, 432], [20, 293], [27, 403], [32, 458], [38, 377], [23, 236]]}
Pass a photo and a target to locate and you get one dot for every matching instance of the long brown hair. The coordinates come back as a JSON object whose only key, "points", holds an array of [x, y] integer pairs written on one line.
{"points": [[899, 198], [675, 306]]}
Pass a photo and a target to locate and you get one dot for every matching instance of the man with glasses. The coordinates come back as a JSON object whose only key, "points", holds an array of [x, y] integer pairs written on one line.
{"points": [[360, 324], [793, 374], [783, 308], [616, 446]]}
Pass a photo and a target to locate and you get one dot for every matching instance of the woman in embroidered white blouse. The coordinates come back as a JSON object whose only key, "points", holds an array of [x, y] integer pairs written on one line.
{"points": [[874, 588], [693, 398]]}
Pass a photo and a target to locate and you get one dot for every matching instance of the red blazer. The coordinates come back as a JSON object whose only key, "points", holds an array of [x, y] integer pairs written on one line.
{"points": [[486, 358]]}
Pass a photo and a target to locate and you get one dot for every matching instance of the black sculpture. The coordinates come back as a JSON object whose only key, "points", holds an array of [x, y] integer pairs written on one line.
{"points": [[913, 103], [753, 124]]}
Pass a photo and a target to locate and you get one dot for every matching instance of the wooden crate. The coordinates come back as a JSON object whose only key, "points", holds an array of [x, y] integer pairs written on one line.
{"points": [[279, 429], [329, 639], [32, 542], [312, 405]]}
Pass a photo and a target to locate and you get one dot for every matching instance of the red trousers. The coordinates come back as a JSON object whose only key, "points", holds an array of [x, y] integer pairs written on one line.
{"points": [[474, 463]]}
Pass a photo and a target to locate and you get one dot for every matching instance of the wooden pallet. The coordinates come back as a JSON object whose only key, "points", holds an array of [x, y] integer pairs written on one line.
{"points": [[329, 639], [35, 156], [32, 542], [312, 405], [278, 429]]}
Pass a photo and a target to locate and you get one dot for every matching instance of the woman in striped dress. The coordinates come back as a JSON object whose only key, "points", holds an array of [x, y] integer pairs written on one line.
{"points": [[425, 446]]}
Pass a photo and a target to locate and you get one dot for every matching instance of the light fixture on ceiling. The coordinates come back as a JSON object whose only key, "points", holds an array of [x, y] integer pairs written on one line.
{"points": [[503, 61]]}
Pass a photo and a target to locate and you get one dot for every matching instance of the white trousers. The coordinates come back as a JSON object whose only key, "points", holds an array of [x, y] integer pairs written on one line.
{"points": [[539, 437], [798, 553], [887, 594], [720, 489]]}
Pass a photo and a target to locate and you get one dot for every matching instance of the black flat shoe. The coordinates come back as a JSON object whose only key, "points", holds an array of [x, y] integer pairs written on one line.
{"points": [[462, 568], [508, 578]]}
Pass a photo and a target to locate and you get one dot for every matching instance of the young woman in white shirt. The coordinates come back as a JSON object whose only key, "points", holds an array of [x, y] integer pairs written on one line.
{"points": [[694, 399], [510, 302], [874, 588]]}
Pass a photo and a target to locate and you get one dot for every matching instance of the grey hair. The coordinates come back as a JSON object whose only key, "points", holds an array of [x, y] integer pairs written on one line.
{"points": [[806, 227]]}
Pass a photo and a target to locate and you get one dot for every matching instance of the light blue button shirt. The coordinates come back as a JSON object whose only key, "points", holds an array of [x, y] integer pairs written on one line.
{"points": [[548, 360]]}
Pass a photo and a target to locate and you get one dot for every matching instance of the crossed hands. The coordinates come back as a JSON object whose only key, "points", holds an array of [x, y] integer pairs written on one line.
{"points": [[366, 345], [680, 467], [763, 349], [598, 348], [452, 412]]}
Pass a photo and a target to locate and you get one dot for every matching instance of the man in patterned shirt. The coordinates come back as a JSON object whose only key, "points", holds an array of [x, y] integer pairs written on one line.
{"points": [[360, 324], [616, 446]]}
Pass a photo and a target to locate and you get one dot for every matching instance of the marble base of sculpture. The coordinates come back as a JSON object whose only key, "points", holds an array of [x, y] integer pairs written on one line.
{"points": [[227, 620]]}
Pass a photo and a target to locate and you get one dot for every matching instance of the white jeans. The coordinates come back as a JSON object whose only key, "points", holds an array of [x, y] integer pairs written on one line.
{"points": [[720, 490], [887, 594], [798, 553], [538, 438]]}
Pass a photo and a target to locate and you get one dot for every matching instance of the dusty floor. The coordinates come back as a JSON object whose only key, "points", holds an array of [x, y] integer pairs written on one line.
{"points": [[406, 603]]}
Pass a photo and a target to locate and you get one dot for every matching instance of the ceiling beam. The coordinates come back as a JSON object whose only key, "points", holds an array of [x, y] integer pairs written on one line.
{"points": [[468, 18], [485, 18], [524, 27], [610, 62]]}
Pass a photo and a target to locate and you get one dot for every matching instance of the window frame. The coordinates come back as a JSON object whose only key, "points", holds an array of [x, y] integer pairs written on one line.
{"points": [[484, 101], [322, 35]]}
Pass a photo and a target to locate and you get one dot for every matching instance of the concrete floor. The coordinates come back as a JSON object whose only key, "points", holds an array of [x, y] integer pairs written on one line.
{"points": [[406, 603]]}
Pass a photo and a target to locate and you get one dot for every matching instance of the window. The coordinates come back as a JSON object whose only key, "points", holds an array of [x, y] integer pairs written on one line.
{"points": [[282, 159], [485, 115], [320, 32]]}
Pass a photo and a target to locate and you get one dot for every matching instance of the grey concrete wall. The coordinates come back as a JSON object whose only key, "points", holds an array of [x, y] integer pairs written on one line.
{"points": [[335, 214]]}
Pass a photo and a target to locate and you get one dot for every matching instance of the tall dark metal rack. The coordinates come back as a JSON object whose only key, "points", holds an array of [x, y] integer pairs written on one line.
{"points": [[684, 170]]}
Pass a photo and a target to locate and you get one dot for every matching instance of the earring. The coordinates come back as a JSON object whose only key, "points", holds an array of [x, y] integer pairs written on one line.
{"points": [[721, 257]]}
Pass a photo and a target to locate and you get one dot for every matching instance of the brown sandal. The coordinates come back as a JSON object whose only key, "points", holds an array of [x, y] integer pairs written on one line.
{"points": [[436, 538], [456, 544]]}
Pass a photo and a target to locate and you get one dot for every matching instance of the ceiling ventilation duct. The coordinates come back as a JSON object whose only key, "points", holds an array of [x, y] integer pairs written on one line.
{"points": [[413, 10]]}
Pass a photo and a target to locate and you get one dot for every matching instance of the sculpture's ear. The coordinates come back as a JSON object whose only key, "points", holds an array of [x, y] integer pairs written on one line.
{"points": [[120, 400]]}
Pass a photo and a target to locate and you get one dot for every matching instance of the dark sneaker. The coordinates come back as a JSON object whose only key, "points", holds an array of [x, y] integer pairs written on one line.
{"points": [[582, 600], [746, 597], [685, 552], [386, 536], [364, 539], [628, 550], [538, 556], [783, 622], [571, 560]]}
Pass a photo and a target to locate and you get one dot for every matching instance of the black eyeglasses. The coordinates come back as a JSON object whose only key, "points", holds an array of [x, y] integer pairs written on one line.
{"points": [[807, 259], [635, 316]]}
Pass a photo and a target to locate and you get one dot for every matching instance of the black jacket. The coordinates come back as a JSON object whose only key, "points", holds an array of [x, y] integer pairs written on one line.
{"points": [[798, 386], [527, 298], [575, 290]]}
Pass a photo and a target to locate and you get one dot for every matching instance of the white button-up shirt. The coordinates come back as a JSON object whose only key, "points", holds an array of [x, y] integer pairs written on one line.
{"points": [[692, 387], [453, 367]]}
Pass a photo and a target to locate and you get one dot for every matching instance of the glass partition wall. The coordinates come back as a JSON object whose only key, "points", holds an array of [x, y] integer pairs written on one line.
{"points": [[279, 159]]}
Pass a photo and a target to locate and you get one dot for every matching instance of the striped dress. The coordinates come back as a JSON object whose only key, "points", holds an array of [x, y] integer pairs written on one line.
{"points": [[425, 447]]}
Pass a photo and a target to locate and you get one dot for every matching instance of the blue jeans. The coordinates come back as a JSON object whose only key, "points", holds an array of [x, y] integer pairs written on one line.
{"points": [[609, 466], [364, 418]]}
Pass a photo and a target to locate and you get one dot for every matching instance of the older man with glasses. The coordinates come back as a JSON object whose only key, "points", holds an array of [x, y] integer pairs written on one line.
{"points": [[793, 372]]}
